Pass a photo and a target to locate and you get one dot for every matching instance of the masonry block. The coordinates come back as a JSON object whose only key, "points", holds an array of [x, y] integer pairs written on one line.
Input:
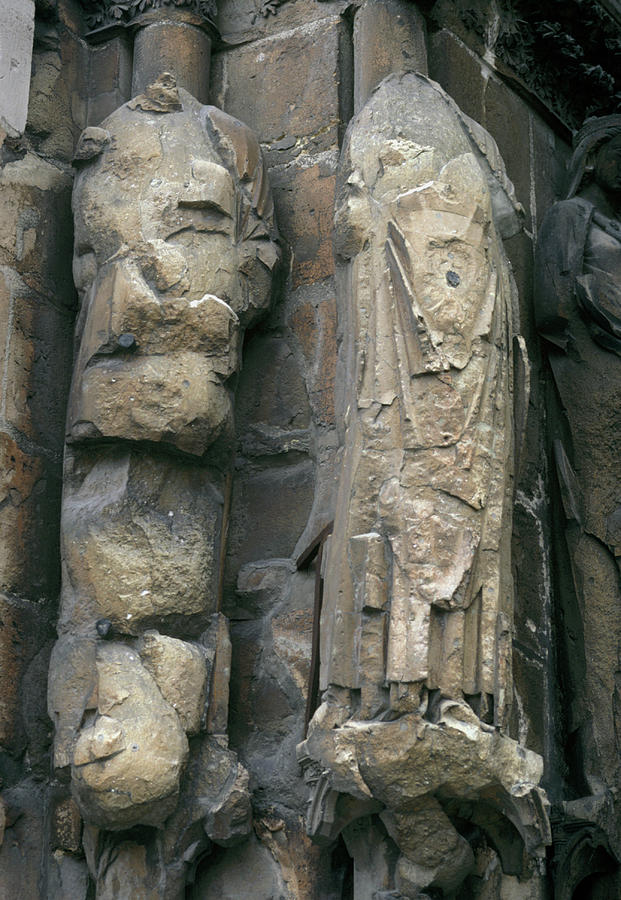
{"points": [[37, 369], [388, 37], [286, 88], [16, 34], [36, 234], [507, 120], [304, 200], [29, 515], [314, 326], [58, 107], [453, 66]]}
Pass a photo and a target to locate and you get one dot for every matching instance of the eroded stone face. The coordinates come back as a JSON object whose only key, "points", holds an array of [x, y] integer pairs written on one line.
{"points": [[127, 765], [140, 543]]}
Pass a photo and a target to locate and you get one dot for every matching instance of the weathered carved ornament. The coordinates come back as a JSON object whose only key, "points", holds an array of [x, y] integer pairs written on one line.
{"points": [[103, 13]]}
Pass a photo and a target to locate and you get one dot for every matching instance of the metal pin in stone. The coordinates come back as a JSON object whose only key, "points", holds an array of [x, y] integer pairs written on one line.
{"points": [[104, 628], [127, 341]]}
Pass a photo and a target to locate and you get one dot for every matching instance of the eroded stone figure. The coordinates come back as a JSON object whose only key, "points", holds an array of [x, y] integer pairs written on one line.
{"points": [[418, 599], [174, 253], [578, 307]]}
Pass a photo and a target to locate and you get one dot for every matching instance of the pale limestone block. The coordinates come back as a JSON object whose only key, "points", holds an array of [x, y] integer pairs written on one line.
{"points": [[128, 763], [180, 670], [16, 36], [140, 541]]}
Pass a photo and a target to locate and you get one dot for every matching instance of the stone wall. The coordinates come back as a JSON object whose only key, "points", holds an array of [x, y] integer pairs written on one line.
{"points": [[37, 300], [295, 72]]}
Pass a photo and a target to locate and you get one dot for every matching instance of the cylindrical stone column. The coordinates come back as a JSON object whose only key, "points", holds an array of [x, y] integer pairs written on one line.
{"points": [[174, 46], [389, 36]]}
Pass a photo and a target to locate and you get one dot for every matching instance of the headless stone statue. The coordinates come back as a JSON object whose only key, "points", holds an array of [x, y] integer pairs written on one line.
{"points": [[174, 252], [578, 307], [418, 602], [418, 592]]}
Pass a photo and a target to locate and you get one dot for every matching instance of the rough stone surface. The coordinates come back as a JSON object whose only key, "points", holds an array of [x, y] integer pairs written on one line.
{"points": [[66, 826], [269, 511], [67, 876], [17, 21], [508, 120], [35, 373], [271, 653], [181, 673], [174, 249], [367, 766], [459, 71], [30, 495], [57, 109], [35, 229], [417, 605], [227, 879], [388, 37], [535, 154], [24, 628], [435, 510], [217, 643], [110, 77], [313, 322], [128, 762], [141, 542], [24, 840], [291, 68], [129, 873], [171, 273], [300, 113], [304, 199]]}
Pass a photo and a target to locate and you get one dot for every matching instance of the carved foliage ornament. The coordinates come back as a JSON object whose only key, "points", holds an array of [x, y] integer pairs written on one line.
{"points": [[566, 51], [102, 13]]}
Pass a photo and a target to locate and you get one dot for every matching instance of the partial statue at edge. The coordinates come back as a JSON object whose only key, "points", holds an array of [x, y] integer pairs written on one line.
{"points": [[578, 309], [417, 622]]}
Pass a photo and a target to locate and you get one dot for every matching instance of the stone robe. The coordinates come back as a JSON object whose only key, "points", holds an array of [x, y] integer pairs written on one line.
{"points": [[418, 585]]}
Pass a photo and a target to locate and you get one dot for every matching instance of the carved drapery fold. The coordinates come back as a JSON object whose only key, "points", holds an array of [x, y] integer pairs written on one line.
{"points": [[417, 622]]}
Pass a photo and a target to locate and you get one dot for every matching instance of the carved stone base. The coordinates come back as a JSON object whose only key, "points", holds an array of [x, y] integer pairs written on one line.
{"points": [[432, 785]]}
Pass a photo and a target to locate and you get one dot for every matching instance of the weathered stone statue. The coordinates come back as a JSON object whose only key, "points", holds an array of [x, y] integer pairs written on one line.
{"points": [[578, 306], [417, 619], [174, 252]]}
